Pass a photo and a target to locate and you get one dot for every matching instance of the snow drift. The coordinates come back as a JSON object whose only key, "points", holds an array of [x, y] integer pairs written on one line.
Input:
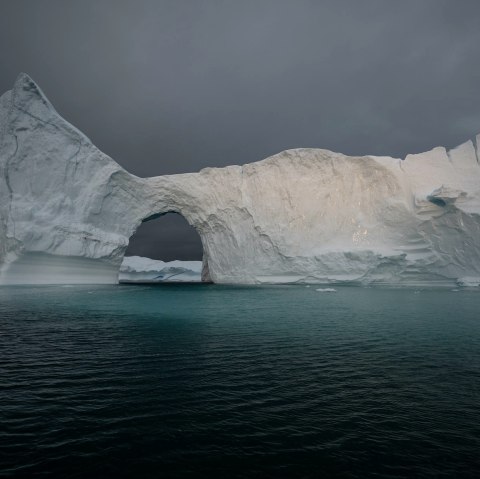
{"points": [[67, 210]]}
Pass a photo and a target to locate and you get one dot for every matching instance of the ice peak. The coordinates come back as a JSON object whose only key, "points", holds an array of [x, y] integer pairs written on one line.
{"points": [[27, 92]]}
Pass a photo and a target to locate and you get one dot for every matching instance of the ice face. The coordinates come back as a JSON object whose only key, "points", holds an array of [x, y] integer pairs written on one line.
{"points": [[67, 210]]}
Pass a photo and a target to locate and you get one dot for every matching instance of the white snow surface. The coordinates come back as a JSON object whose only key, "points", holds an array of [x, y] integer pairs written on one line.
{"points": [[67, 210], [138, 269]]}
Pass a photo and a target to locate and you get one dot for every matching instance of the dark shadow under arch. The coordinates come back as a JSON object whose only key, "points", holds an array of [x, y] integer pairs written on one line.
{"points": [[166, 237]]}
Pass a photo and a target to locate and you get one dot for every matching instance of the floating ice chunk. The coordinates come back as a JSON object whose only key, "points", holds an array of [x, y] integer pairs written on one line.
{"points": [[326, 290], [469, 281]]}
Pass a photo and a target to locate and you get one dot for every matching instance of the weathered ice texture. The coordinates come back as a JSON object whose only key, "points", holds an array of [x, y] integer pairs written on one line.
{"points": [[67, 210]]}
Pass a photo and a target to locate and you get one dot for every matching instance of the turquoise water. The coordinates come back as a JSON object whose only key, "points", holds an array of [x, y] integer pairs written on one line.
{"points": [[222, 381]]}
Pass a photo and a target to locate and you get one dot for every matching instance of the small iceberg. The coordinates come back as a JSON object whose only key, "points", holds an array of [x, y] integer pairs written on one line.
{"points": [[137, 269], [326, 290], [469, 282]]}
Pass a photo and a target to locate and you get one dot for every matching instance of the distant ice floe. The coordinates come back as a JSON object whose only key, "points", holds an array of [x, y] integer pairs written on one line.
{"points": [[136, 269], [326, 290]]}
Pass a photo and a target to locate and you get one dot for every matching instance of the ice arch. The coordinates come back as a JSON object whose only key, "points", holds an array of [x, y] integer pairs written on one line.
{"points": [[67, 210], [307, 215], [165, 237]]}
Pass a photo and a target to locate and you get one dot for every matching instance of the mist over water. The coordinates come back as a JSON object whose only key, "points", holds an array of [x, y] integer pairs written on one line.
{"points": [[223, 381]]}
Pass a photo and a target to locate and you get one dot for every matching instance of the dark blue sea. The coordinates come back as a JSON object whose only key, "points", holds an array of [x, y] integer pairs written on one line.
{"points": [[174, 381]]}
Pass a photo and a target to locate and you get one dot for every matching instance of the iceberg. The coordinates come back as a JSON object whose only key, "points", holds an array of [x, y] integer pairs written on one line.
{"points": [[469, 282], [302, 216], [136, 269]]}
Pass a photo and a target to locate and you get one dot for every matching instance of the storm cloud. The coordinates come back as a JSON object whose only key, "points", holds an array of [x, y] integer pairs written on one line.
{"points": [[175, 86]]}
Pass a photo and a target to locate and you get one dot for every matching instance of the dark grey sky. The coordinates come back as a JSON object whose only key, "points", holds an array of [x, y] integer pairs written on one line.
{"points": [[174, 86]]}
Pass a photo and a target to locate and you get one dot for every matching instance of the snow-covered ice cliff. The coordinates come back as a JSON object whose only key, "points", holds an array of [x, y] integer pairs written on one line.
{"points": [[67, 210], [137, 269]]}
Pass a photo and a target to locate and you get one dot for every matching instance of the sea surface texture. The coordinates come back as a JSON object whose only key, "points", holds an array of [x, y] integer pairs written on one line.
{"points": [[255, 382]]}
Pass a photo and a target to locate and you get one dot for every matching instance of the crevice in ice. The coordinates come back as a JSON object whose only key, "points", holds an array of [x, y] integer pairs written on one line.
{"points": [[7, 182], [475, 147], [449, 156], [436, 201], [41, 120]]}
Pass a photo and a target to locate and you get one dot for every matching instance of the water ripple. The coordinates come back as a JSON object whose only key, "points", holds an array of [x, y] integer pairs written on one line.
{"points": [[212, 381]]}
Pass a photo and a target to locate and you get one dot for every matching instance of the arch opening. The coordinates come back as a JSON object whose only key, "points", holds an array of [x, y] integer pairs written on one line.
{"points": [[164, 248]]}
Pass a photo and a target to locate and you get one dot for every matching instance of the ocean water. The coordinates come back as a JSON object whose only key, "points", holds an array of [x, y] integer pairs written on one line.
{"points": [[255, 382]]}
